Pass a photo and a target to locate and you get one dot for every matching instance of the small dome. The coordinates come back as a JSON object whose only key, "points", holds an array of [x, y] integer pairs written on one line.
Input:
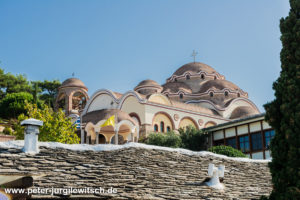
{"points": [[174, 87], [194, 68], [217, 84], [242, 111], [73, 82], [148, 82], [147, 87]]}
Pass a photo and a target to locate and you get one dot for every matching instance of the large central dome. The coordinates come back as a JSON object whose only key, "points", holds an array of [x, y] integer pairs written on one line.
{"points": [[194, 68]]}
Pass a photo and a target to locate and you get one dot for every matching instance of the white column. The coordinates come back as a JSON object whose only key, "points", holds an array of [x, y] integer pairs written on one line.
{"points": [[132, 139], [97, 137], [87, 140], [116, 137], [82, 136]]}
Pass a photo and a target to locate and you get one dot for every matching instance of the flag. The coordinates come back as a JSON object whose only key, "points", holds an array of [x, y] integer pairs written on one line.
{"points": [[109, 122]]}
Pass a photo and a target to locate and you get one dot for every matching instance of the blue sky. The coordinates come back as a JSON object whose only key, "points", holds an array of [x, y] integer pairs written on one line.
{"points": [[115, 44]]}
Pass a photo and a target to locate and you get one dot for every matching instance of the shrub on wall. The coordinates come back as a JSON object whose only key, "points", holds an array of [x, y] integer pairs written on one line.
{"points": [[169, 139], [193, 139], [227, 151], [7, 131]]}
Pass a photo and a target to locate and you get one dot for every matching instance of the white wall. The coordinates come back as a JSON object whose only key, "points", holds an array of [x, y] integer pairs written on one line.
{"points": [[132, 105], [218, 135], [267, 154], [230, 132], [151, 110], [258, 155], [255, 127], [103, 101], [242, 129], [266, 125]]}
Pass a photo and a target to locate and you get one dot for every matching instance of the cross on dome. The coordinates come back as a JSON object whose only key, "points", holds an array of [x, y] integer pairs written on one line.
{"points": [[194, 54]]}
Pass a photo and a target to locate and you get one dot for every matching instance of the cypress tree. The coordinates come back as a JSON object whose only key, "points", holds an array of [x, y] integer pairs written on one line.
{"points": [[283, 113]]}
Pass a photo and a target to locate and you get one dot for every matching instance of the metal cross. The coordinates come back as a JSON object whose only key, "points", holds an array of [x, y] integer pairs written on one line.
{"points": [[194, 55]]}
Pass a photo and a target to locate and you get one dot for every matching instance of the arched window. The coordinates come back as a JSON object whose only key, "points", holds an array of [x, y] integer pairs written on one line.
{"points": [[78, 101], [215, 77], [238, 94], [211, 94], [181, 96], [168, 129], [162, 126], [188, 77], [155, 127], [175, 79], [226, 93], [202, 76]]}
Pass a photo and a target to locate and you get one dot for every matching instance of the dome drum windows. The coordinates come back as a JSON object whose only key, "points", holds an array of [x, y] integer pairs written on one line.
{"points": [[181, 96], [226, 93], [202, 76], [188, 77], [211, 94]]}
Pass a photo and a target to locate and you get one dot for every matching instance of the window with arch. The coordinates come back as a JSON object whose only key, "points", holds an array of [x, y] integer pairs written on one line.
{"points": [[78, 101], [239, 95], [181, 96], [155, 128], [226, 93], [211, 94], [215, 77], [188, 77], [162, 126], [168, 129], [202, 76], [175, 79]]}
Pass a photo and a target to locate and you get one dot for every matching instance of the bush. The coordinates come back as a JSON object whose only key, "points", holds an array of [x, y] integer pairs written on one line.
{"points": [[227, 151], [56, 128], [169, 139], [7, 131], [193, 139]]}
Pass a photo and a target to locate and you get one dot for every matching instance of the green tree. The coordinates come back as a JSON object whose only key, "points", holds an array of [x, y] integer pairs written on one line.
{"points": [[283, 113], [13, 84], [42, 91], [227, 151], [56, 128], [13, 104], [47, 91], [193, 139]]}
